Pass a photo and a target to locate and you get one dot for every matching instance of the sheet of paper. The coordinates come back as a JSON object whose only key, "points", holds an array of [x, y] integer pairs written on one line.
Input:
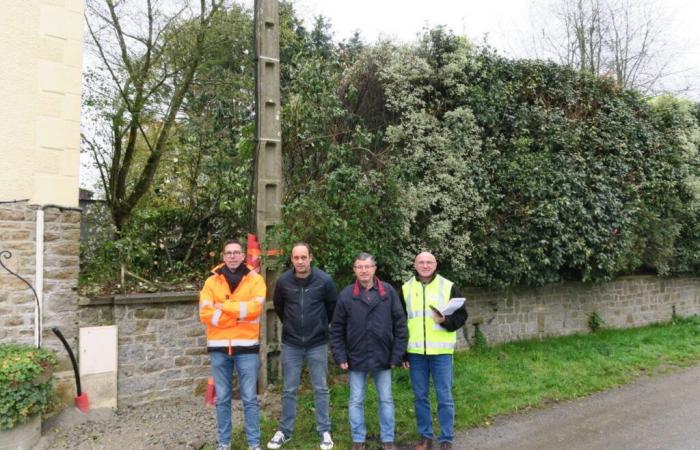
{"points": [[454, 305]]}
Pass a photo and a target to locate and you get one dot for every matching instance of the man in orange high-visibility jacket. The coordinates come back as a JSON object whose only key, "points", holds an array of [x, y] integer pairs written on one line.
{"points": [[230, 304]]}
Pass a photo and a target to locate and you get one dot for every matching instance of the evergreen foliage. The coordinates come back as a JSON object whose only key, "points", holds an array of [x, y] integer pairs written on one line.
{"points": [[513, 172]]}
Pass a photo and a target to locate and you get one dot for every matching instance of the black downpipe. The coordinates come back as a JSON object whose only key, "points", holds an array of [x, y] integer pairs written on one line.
{"points": [[58, 333]]}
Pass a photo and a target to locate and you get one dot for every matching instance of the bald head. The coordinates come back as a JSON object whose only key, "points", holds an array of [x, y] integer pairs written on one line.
{"points": [[425, 265]]}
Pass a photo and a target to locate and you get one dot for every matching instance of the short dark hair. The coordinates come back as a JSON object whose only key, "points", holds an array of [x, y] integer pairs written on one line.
{"points": [[303, 244], [232, 241], [363, 256]]}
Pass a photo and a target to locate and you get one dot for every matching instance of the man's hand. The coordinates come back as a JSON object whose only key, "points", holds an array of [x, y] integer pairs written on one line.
{"points": [[438, 318], [343, 366], [406, 365]]}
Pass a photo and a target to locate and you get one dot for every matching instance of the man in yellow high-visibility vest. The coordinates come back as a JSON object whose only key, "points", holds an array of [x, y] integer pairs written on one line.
{"points": [[431, 341]]}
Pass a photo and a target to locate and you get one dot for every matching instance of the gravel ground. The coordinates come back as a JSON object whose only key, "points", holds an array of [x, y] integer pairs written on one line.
{"points": [[653, 413], [175, 424]]}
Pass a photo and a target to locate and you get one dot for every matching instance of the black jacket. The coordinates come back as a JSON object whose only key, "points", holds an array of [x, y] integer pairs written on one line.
{"points": [[305, 307], [369, 333]]}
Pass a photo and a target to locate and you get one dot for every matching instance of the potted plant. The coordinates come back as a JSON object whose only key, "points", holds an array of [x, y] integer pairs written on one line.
{"points": [[26, 391]]}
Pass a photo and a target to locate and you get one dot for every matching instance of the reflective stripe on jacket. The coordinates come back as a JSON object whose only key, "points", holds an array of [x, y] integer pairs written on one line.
{"points": [[237, 324], [425, 337]]}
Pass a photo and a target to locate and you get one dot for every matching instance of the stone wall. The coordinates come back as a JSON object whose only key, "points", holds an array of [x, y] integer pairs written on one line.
{"points": [[61, 266], [564, 308], [162, 346]]}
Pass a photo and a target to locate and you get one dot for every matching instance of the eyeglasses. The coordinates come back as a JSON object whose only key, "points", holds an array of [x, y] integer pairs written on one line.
{"points": [[233, 253], [363, 267]]}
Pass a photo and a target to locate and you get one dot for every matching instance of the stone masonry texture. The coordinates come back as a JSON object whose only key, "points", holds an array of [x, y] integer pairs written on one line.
{"points": [[61, 266], [162, 346], [564, 308]]}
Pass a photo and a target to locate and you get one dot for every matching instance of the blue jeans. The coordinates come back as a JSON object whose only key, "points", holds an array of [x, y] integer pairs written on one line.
{"points": [[292, 363], [356, 406], [440, 368], [246, 365]]}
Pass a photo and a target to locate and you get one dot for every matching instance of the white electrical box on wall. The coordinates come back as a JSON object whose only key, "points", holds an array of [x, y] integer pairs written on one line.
{"points": [[98, 365]]}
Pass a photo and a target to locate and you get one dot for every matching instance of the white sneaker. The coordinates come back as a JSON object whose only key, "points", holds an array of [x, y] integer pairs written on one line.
{"points": [[326, 441], [277, 440]]}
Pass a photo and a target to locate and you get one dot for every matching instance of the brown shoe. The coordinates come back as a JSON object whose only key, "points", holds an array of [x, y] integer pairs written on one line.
{"points": [[388, 446], [446, 446], [358, 446], [424, 444]]}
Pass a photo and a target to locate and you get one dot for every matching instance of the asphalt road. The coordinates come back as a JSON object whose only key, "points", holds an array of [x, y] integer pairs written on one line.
{"points": [[662, 412]]}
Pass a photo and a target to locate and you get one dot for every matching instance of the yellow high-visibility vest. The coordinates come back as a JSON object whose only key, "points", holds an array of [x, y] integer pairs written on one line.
{"points": [[425, 337]]}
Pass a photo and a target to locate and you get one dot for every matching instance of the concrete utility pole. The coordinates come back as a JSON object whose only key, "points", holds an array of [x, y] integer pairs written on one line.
{"points": [[268, 168]]}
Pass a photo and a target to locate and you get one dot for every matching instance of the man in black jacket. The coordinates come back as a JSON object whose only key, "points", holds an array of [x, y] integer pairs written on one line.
{"points": [[304, 300], [368, 337]]}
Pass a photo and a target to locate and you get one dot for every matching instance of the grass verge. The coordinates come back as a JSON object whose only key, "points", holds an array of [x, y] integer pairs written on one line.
{"points": [[508, 378]]}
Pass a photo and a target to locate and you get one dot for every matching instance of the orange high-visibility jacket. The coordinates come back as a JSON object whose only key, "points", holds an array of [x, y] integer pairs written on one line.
{"points": [[238, 323]]}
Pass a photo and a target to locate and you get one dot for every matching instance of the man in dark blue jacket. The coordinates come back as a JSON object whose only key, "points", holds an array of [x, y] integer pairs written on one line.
{"points": [[368, 337], [304, 300]]}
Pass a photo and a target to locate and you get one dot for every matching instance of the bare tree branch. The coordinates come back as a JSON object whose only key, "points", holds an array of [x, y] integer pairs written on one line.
{"points": [[618, 38], [151, 89]]}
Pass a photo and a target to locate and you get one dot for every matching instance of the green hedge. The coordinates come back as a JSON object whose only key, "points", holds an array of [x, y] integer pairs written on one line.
{"points": [[25, 382], [514, 172]]}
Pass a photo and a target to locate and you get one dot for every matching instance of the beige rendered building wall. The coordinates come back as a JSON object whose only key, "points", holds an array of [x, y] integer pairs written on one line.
{"points": [[41, 45]]}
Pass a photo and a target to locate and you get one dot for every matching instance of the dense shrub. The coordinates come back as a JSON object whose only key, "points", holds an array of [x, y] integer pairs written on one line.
{"points": [[526, 172], [338, 195], [25, 382], [513, 172]]}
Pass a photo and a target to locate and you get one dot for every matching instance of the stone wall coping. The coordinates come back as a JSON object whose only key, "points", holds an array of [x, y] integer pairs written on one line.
{"points": [[142, 299], [587, 284], [191, 296]]}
